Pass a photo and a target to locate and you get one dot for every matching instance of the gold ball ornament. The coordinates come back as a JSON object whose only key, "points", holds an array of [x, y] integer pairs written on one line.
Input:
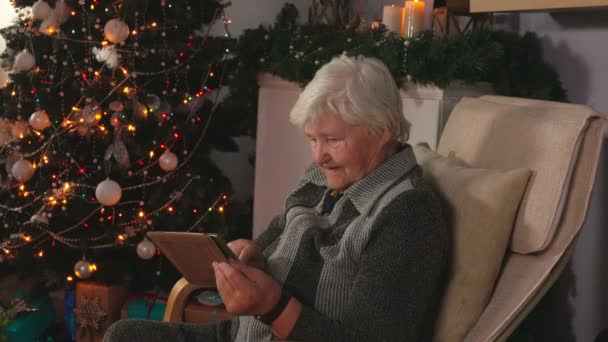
{"points": [[108, 192], [83, 269], [39, 120], [24, 61], [116, 31], [146, 249], [23, 170], [168, 161]]}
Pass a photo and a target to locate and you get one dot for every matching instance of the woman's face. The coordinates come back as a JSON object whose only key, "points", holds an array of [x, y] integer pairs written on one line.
{"points": [[344, 152]]}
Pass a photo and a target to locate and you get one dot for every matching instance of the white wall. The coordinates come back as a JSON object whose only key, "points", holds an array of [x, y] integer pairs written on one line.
{"points": [[8, 14], [247, 14], [576, 43]]}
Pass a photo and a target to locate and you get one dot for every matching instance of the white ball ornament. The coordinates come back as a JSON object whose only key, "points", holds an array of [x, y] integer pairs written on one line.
{"points": [[11, 159], [146, 249], [83, 269], [61, 11], [167, 161], [41, 10], [23, 170], [39, 218], [90, 114], [39, 120], [116, 106], [116, 31], [5, 137], [19, 129], [24, 61], [108, 192]]}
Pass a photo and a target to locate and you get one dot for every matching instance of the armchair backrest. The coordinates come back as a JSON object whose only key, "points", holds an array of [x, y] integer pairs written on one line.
{"points": [[560, 144]]}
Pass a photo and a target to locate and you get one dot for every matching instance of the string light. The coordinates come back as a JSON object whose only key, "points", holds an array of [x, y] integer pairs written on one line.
{"points": [[74, 121]]}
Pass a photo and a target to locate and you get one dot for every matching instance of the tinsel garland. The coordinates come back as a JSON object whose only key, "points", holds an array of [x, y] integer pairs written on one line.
{"points": [[511, 62]]}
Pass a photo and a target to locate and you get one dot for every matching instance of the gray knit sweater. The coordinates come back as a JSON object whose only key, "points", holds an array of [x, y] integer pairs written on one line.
{"points": [[373, 269]]}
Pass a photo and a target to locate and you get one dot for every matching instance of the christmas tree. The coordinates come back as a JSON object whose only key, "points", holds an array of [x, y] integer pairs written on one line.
{"points": [[106, 125]]}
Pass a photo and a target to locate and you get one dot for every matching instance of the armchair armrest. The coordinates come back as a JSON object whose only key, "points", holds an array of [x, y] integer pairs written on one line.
{"points": [[178, 298], [180, 307]]}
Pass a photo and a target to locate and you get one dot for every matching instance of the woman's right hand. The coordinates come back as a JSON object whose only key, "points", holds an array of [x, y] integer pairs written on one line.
{"points": [[248, 253]]}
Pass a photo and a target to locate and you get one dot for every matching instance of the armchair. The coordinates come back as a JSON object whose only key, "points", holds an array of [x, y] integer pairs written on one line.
{"points": [[495, 132]]}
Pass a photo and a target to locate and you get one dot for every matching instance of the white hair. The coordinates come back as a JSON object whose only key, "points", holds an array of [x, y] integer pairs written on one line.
{"points": [[359, 89]]}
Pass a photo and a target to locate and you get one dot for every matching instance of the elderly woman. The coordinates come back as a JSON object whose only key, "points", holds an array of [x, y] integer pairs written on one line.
{"points": [[361, 249]]}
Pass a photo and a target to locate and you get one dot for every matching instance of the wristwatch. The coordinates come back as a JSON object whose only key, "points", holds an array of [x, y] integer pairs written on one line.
{"points": [[276, 311]]}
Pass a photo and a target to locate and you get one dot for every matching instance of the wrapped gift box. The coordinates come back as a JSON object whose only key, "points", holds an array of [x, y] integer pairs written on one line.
{"points": [[145, 305], [31, 326], [97, 307]]}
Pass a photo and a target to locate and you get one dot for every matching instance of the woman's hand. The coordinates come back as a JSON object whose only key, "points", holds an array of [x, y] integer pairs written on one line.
{"points": [[246, 290], [248, 252]]}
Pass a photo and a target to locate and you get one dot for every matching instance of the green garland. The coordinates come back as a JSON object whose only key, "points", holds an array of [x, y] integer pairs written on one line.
{"points": [[6, 318], [4, 322], [512, 63]]}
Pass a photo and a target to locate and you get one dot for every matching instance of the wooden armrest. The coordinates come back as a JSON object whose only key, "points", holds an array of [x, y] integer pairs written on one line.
{"points": [[178, 298]]}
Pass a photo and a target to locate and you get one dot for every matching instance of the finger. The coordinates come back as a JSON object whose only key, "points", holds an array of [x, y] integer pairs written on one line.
{"points": [[237, 279], [223, 285], [248, 271], [237, 246], [249, 253]]}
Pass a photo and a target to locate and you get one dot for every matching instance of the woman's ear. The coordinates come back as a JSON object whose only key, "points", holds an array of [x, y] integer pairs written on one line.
{"points": [[387, 136]]}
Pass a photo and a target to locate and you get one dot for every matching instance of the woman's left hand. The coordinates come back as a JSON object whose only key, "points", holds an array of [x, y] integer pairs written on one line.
{"points": [[246, 290]]}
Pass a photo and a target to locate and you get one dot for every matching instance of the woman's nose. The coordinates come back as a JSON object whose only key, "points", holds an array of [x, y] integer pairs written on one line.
{"points": [[319, 154]]}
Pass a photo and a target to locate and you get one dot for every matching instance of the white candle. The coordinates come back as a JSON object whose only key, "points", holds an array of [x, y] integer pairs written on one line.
{"points": [[413, 18], [391, 18]]}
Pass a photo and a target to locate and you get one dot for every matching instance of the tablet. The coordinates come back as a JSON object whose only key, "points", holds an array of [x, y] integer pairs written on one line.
{"points": [[193, 253]]}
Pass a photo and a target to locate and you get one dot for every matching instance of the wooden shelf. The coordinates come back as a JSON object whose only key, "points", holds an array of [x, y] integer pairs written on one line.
{"points": [[478, 6]]}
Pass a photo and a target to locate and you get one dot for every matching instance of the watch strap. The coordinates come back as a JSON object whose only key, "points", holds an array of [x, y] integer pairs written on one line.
{"points": [[276, 311]]}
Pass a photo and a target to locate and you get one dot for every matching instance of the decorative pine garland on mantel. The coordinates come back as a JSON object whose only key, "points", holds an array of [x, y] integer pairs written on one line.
{"points": [[512, 63]]}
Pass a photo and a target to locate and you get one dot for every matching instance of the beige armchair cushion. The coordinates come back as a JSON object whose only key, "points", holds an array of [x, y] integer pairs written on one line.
{"points": [[503, 132], [482, 205]]}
